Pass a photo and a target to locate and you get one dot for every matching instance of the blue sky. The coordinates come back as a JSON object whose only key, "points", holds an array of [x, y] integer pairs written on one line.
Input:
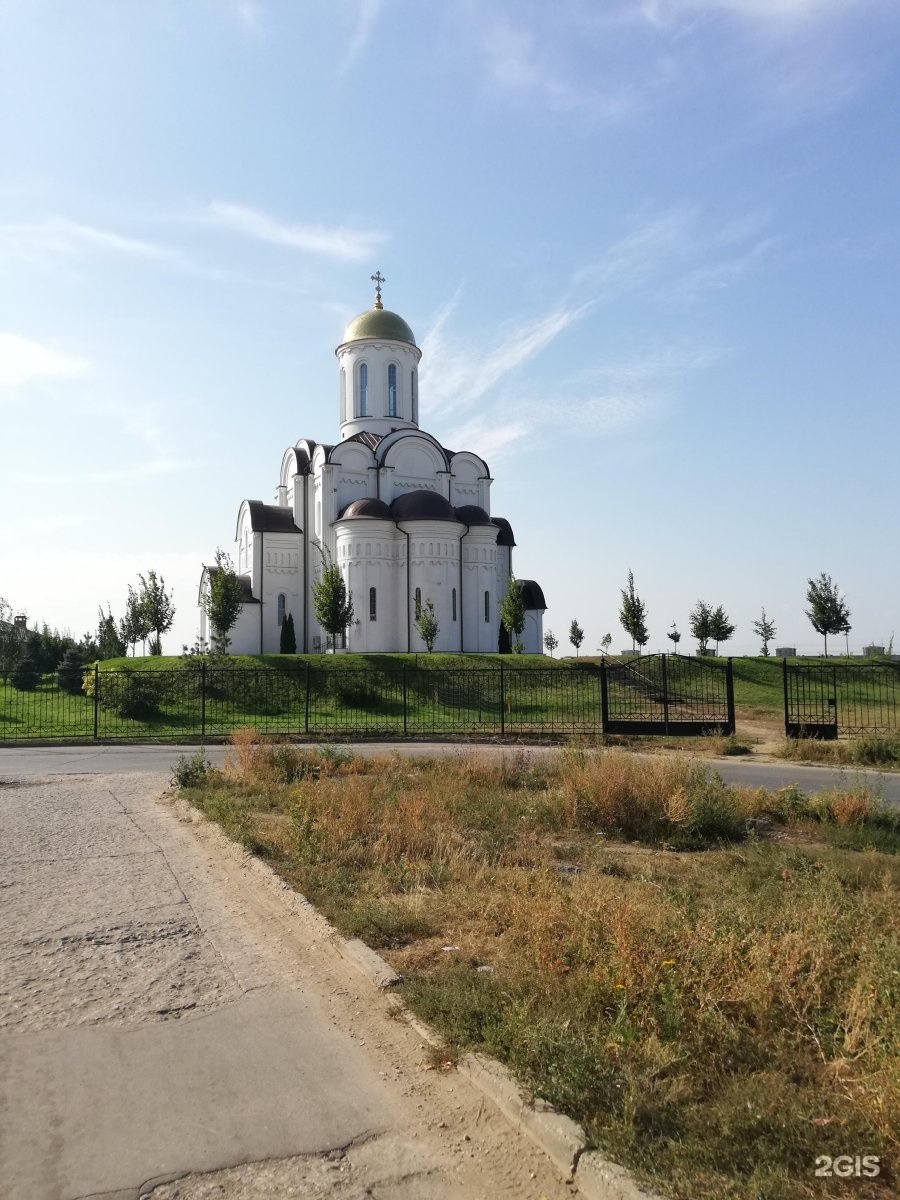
{"points": [[650, 249]]}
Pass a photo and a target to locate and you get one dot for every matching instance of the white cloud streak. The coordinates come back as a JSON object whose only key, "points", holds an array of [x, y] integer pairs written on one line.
{"points": [[456, 378], [368, 12], [336, 242], [57, 236], [23, 361]]}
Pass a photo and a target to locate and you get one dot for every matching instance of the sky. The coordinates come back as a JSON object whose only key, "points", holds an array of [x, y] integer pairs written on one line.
{"points": [[650, 250]]}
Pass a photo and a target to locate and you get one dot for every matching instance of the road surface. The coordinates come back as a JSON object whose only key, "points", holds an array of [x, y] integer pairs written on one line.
{"points": [[101, 760]]}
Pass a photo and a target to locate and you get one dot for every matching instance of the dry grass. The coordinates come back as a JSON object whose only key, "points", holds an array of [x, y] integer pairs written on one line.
{"points": [[715, 1017]]}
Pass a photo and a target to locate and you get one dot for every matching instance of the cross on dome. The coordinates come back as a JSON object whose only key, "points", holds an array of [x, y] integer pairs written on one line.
{"points": [[378, 279]]}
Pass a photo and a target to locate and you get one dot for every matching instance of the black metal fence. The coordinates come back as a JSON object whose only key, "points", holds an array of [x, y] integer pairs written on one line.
{"points": [[656, 694], [667, 694], [830, 700], [650, 695]]}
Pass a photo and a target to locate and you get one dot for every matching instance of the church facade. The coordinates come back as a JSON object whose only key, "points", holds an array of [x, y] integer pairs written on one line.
{"points": [[405, 519]]}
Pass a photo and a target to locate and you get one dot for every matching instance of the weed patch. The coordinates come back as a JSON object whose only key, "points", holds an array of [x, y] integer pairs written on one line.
{"points": [[716, 1009]]}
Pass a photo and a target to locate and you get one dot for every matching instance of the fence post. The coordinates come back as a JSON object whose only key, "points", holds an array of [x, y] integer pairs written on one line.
{"points": [[784, 679], [203, 702], [729, 695], [404, 700], [502, 701], [96, 700], [604, 697], [306, 707], [665, 691]]}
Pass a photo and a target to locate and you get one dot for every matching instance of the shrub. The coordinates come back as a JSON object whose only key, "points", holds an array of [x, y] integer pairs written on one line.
{"points": [[190, 772], [132, 694]]}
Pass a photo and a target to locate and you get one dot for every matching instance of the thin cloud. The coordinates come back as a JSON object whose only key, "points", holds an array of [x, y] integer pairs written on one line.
{"points": [[149, 469], [23, 361], [724, 274], [57, 236], [367, 15], [516, 65], [458, 377], [336, 242]]}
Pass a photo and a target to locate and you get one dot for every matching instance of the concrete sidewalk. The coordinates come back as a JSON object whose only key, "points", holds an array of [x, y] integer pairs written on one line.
{"points": [[164, 1014]]}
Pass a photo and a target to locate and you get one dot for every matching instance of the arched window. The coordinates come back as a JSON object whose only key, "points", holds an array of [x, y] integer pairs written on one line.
{"points": [[373, 612], [363, 390], [487, 606], [392, 391], [414, 395], [453, 603], [418, 603], [281, 601], [343, 393]]}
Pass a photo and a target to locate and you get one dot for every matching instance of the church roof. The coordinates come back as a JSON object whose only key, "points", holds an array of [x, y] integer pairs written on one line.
{"points": [[246, 583], [367, 507], [422, 506], [379, 323], [368, 439], [506, 534], [271, 518], [532, 596], [471, 514]]}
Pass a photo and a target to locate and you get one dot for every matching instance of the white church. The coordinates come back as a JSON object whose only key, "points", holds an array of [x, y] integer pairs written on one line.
{"points": [[405, 519]]}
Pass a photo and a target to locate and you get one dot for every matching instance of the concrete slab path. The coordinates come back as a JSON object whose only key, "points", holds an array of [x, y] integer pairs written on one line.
{"points": [[173, 1025]]}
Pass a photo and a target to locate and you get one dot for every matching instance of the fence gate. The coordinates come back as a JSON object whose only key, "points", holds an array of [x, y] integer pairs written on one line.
{"points": [[667, 694], [826, 700]]}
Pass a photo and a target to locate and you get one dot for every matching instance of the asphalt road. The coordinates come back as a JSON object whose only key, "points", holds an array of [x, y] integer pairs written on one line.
{"points": [[109, 760]]}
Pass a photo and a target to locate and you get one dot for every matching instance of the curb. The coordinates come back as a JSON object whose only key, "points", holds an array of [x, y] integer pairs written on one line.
{"points": [[558, 1136]]}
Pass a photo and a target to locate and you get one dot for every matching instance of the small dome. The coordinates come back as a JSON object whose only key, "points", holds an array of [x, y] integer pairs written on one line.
{"points": [[471, 514], [378, 323], [367, 507], [422, 506]]}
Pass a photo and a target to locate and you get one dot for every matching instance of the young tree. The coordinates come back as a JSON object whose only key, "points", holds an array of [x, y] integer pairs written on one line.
{"points": [[110, 640], [764, 629], [674, 637], [223, 602], [331, 603], [721, 629], [512, 611], [288, 643], [551, 641], [828, 611], [427, 625], [606, 642], [157, 607], [576, 635], [70, 672], [633, 615], [701, 624], [26, 674], [134, 624]]}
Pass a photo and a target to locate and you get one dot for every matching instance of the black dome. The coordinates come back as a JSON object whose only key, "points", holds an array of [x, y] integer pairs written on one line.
{"points": [[532, 595], [367, 507], [422, 506], [471, 514]]}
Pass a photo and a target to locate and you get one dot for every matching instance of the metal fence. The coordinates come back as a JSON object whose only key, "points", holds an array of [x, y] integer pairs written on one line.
{"points": [[830, 700], [668, 694], [649, 695]]}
